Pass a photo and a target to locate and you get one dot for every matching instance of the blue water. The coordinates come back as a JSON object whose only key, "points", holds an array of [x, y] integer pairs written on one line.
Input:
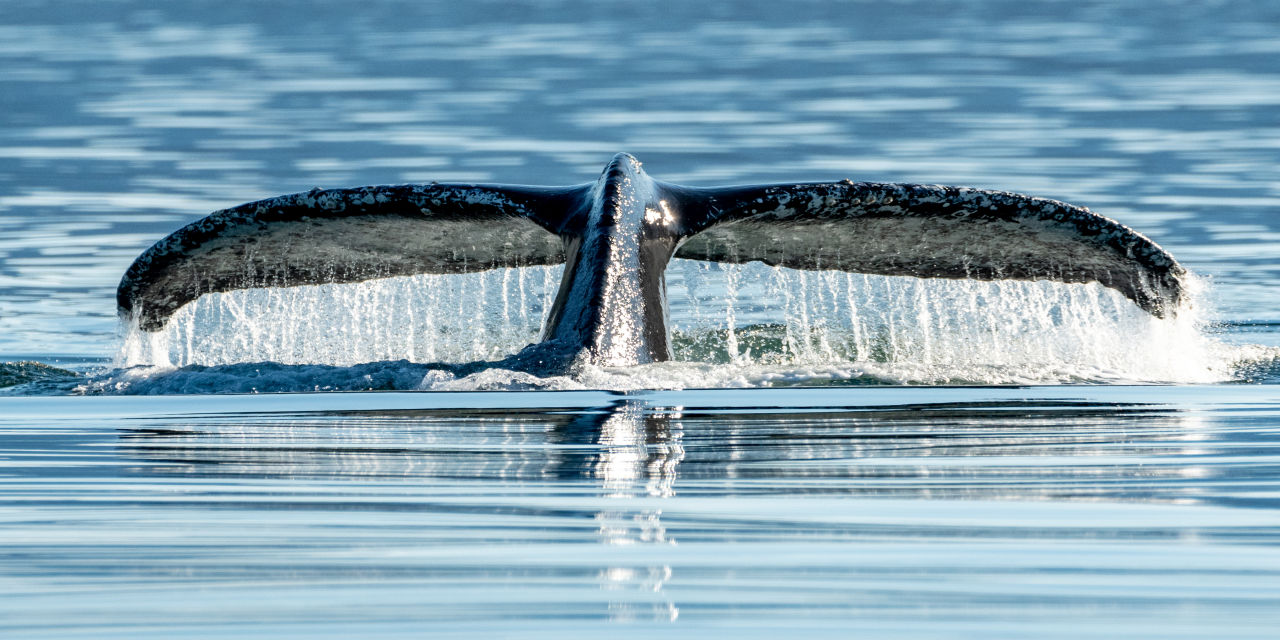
{"points": [[1119, 481], [957, 512]]}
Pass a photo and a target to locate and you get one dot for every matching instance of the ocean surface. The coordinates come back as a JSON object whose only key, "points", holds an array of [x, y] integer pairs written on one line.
{"points": [[830, 454]]}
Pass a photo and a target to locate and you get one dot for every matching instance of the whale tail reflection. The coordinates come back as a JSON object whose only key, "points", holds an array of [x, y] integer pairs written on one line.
{"points": [[616, 235]]}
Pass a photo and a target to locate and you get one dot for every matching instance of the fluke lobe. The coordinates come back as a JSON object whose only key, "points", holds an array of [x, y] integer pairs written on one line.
{"points": [[616, 235]]}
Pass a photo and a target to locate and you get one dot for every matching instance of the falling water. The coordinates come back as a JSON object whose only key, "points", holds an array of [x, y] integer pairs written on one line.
{"points": [[935, 330], [835, 324], [425, 318]]}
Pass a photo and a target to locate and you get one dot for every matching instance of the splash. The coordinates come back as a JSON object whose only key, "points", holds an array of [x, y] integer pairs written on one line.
{"points": [[939, 331], [732, 326]]}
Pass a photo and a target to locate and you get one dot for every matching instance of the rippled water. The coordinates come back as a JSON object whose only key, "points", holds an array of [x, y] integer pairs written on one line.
{"points": [[1047, 511], [124, 121], [1044, 512]]}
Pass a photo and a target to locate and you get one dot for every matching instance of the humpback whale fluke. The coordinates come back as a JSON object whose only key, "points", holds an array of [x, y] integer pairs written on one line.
{"points": [[616, 235]]}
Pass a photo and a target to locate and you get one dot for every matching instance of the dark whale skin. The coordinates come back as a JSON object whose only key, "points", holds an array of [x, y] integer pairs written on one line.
{"points": [[616, 236]]}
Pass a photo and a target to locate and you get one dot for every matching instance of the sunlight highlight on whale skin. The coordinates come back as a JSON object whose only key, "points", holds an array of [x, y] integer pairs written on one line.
{"points": [[732, 326]]}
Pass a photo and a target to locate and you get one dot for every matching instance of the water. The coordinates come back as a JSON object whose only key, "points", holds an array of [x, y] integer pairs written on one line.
{"points": [[902, 512], [650, 500], [1165, 124]]}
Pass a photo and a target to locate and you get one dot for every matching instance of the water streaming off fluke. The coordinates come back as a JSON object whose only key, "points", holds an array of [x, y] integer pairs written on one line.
{"points": [[732, 325]]}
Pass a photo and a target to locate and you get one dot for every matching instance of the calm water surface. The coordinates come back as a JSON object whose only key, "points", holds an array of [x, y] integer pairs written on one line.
{"points": [[1032, 511], [1054, 512]]}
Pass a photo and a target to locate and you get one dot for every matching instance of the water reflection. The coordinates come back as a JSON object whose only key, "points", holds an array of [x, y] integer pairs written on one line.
{"points": [[641, 489], [1030, 451], [814, 509], [640, 452]]}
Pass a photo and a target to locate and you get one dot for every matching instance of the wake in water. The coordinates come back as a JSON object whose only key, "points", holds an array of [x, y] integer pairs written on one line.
{"points": [[732, 326]]}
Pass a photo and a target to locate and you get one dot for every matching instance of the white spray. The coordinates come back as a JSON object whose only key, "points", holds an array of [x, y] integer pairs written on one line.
{"points": [[748, 324]]}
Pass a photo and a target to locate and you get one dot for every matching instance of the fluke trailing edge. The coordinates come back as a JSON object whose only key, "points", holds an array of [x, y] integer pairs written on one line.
{"points": [[616, 235]]}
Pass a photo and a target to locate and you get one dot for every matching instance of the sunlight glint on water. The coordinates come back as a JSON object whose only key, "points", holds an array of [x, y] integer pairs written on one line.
{"points": [[891, 329]]}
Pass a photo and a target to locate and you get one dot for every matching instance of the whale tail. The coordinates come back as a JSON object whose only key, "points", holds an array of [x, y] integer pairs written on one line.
{"points": [[347, 235], [353, 235], [930, 231]]}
